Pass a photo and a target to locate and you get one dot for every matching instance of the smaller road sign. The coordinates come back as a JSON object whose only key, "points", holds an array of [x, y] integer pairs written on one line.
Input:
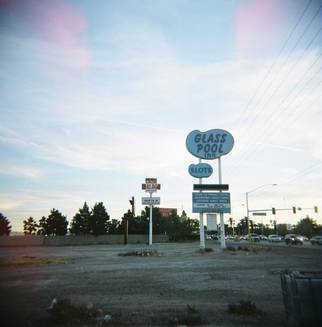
{"points": [[150, 201], [151, 185]]}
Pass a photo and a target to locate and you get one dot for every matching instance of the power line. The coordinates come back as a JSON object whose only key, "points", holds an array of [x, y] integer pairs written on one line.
{"points": [[258, 112], [281, 83], [302, 173], [272, 117], [270, 122], [276, 60]]}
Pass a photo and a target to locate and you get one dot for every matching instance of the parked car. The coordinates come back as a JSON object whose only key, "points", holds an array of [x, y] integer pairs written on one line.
{"points": [[214, 237], [293, 239], [263, 237], [253, 237], [275, 238], [302, 238], [316, 240]]}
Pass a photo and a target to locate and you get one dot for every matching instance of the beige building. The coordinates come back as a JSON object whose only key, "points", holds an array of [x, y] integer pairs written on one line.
{"points": [[166, 212]]}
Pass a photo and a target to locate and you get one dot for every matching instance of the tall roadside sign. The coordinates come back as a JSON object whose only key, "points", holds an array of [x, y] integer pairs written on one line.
{"points": [[151, 186], [209, 145]]}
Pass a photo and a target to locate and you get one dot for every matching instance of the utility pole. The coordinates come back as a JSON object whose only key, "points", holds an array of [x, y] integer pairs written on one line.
{"points": [[126, 218], [126, 225]]}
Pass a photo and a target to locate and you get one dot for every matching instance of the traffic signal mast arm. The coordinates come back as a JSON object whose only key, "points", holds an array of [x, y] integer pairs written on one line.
{"points": [[273, 210]]}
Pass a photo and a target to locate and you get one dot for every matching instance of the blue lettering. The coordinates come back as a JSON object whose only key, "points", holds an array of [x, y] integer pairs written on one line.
{"points": [[197, 138]]}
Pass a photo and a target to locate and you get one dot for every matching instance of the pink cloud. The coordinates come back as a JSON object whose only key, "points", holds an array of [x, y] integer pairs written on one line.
{"points": [[62, 23], [256, 21], [58, 23], [65, 24]]}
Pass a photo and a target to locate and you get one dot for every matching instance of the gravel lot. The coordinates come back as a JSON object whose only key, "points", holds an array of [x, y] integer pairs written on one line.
{"points": [[180, 287]]}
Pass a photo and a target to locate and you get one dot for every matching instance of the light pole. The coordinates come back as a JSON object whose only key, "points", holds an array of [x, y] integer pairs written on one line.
{"points": [[251, 191]]}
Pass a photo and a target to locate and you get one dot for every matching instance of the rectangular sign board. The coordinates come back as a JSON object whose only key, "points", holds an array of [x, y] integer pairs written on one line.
{"points": [[210, 187], [211, 222], [150, 201], [151, 184], [211, 202]]}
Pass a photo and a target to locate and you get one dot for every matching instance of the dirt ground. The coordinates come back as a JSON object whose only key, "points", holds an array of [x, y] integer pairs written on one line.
{"points": [[180, 287]]}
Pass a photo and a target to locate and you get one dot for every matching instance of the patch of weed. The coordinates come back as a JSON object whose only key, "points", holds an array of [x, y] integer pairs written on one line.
{"points": [[62, 311], [245, 308], [190, 317], [30, 260], [249, 249], [206, 250], [141, 253]]}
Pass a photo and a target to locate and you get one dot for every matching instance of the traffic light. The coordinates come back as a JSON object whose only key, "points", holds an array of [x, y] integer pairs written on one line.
{"points": [[294, 210], [273, 211], [316, 209], [132, 202]]}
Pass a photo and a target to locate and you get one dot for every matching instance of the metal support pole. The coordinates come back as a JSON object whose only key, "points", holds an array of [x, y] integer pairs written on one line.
{"points": [[201, 227], [126, 227], [247, 212], [150, 223], [222, 221]]}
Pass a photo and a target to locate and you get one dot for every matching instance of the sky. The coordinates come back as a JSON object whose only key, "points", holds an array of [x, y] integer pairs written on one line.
{"points": [[96, 96]]}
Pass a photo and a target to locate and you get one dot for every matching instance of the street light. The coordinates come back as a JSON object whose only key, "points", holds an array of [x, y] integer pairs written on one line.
{"points": [[251, 191]]}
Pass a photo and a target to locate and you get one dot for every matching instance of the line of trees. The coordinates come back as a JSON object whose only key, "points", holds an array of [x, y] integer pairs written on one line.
{"points": [[96, 221], [307, 227], [85, 221]]}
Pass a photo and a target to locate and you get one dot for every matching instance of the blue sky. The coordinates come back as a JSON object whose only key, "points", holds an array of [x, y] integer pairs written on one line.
{"points": [[98, 95]]}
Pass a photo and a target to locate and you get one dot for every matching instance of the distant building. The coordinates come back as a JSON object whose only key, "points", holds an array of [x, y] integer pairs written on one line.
{"points": [[166, 212]]}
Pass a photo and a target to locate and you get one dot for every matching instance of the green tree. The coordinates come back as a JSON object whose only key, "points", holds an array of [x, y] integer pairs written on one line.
{"points": [[138, 225], [115, 227], [242, 227], [42, 228], [307, 227], [156, 219], [5, 227], [178, 229], [99, 219], [282, 229], [56, 223], [80, 224], [30, 226]]}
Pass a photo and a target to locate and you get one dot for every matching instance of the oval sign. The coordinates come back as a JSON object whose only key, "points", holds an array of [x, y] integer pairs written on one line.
{"points": [[209, 145], [200, 170]]}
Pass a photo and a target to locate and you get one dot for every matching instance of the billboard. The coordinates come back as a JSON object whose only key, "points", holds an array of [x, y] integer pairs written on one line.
{"points": [[218, 202], [209, 145]]}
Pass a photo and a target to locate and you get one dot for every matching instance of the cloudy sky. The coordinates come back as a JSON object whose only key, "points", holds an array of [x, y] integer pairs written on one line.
{"points": [[98, 95]]}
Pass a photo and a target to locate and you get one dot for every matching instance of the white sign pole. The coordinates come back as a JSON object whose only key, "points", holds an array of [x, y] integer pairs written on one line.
{"points": [[222, 222], [201, 227], [150, 221]]}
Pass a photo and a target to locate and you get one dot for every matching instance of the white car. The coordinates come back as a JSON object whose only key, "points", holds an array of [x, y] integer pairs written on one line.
{"points": [[275, 238]]}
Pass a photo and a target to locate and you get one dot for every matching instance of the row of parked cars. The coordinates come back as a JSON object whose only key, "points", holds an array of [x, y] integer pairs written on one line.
{"points": [[291, 239]]}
